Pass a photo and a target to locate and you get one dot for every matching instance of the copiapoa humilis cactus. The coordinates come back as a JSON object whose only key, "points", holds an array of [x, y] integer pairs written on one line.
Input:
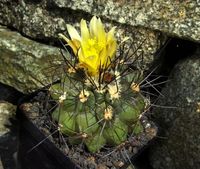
{"points": [[99, 98]]}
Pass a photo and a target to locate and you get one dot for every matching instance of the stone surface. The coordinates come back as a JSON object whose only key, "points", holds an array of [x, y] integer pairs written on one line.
{"points": [[44, 19], [179, 18], [26, 65], [179, 119], [176, 18], [7, 110]]}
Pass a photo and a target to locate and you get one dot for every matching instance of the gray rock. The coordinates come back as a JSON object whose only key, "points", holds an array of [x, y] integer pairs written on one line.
{"points": [[179, 146], [7, 110], [47, 17], [27, 65], [179, 18]]}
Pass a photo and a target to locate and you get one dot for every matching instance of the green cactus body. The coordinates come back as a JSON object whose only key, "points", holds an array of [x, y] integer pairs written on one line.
{"points": [[116, 133], [87, 123], [98, 120], [137, 128], [56, 91], [66, 122], [95, 143], [130, 112]]}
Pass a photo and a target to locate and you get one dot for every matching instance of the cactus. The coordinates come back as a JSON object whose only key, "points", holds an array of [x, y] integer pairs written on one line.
{"points": [[99, 98]]}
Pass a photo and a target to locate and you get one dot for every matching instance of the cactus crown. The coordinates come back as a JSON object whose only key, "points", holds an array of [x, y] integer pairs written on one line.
{"points": [[99, 97]]}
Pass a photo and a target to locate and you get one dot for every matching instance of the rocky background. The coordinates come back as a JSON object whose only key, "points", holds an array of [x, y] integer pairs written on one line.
{"points": [[29, 47]]}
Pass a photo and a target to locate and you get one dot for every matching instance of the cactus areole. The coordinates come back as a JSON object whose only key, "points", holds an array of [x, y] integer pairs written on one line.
{"points": [[99, 97]]}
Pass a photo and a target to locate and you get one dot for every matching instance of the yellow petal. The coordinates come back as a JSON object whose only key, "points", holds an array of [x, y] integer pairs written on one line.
{"points": [[110, 35], [88, 65], [104, 59], [92, 62], [81, 56], [73, 46], [112, 49], [92, 26], [73, 32], [61, 36], [84, 30], [100, 32], [77, 43]]}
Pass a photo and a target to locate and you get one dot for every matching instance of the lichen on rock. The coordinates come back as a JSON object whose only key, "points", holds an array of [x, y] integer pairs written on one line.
{"points": [[25, 64]]}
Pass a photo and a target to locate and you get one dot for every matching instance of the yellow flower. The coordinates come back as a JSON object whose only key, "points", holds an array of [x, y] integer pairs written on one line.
{"points": [[94, 48]]}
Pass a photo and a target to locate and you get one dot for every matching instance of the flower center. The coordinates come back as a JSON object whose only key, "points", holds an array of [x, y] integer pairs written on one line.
{"points": [[92, 48]]}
